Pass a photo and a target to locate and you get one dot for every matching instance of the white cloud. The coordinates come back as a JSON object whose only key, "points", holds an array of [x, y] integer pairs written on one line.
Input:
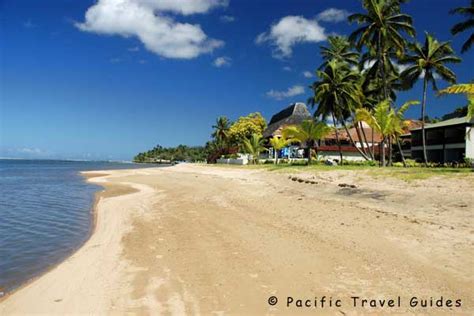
{"points": [[307, 74], [146, 20], [134, 49], [287, 68], [289, 31], [222, 61], [333, 15], [290, 92], [227, 18], [115, 60]]}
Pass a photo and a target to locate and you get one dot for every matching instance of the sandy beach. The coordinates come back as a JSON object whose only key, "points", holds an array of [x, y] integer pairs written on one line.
{"points": [[194, 239]]}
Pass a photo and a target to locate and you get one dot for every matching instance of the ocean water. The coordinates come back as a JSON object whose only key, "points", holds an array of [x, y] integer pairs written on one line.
{"points": [[45, 214]]}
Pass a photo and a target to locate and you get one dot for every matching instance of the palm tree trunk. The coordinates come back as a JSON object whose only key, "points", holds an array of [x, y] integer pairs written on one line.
{"points": [[381, 57], [382, 151], [309, 152], [423, 108], [401, 153], [373, 144], [352, 141], [359, 135], [390, 151], [337, 136], [369, 150]]}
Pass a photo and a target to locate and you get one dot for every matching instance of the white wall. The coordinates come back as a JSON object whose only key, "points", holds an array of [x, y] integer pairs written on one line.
{"points": [[470, 142], [351, 156]]}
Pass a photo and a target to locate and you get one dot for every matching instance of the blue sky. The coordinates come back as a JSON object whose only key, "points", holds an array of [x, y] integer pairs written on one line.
{"points": [[114, 82]]}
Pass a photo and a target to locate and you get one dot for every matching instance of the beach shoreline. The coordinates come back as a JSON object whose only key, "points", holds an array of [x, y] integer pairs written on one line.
{"points": [[156, 248], [107, 190], [93, 210]]}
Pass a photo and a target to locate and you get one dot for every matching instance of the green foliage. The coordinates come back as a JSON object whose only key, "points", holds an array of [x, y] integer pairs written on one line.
{"points": [[246, 126], [429, 59], [253, 146], [306, 134], [278, 142], [339, 50], [221, 130], [309, 131], [466, 25], [172, 154], [384, 119], [466, 88], [368, 163], [337, 92], [382, 25]]}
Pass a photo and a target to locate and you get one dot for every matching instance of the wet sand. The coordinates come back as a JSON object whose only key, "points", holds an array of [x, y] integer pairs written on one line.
{"points": [[193, 239]]}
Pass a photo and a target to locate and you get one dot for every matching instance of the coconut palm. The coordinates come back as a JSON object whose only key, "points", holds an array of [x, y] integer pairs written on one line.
{"points": [[254, 146], [221, 130], [307, 134], [339, 49], [381, 32], [386, 121], [278, 143], [466, 25], [428, 61], [337, 94]]}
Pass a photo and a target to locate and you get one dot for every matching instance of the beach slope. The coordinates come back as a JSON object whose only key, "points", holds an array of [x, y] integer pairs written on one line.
{"points": [[193, 239]]}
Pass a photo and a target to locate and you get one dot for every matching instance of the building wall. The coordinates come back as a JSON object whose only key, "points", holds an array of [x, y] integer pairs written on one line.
{"points": [[470, 142], [334, 155], [443, 144]]}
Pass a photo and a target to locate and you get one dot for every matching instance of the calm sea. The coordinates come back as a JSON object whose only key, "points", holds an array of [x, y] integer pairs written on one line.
{"points": [[45, 214]]}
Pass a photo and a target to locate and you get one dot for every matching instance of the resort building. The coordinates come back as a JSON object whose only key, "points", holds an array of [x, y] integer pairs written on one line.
{"points": [[294, 114], [446, 141], [405, 140], [327, 148]]}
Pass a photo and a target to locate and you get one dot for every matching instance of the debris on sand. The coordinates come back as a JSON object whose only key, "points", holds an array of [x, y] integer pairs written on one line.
{"points": [[345, 185]]}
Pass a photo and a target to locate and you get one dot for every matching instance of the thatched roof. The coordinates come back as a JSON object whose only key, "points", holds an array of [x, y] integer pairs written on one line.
{"points": [[292, 115]]}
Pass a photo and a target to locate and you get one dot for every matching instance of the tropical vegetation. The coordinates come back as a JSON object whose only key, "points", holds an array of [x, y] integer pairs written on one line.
{"points": [[160, 154], [307, 134], [429, 62], [356, 87], [466, 25]]}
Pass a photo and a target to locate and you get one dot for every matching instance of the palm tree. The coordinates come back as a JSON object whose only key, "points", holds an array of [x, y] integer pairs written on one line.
{"points": [[339, 49], [278, 143], [381, 32], [427, 61], [386, 121], [465, 25], [307, 134], [254, 146], [337, 94], [221, 129]]}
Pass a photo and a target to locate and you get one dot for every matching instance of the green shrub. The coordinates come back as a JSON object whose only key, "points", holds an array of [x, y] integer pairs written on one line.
{"points": [[411, 163]]}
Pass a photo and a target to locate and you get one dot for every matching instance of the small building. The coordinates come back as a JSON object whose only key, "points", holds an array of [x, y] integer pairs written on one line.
{"points": [[446, 141], [294, 114]]}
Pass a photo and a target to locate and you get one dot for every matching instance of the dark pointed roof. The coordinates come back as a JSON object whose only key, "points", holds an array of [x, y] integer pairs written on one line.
{"points": [[292, 115]]}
